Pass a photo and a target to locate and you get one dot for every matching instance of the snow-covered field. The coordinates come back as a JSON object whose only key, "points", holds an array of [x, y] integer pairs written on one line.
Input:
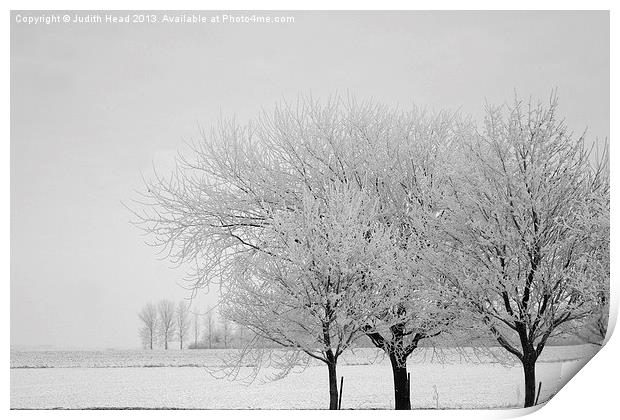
{"points": [[179, 379]]}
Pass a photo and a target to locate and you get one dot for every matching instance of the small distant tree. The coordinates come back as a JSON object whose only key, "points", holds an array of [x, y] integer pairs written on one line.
{"points": [[196, 329], [209, 327], [242, 335], [148, 331], [217, 340], [595, 332], [182, 322], [225, 331], [167, 324]]}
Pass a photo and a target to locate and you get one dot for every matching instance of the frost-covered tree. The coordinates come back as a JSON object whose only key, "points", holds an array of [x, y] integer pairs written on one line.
{"points": [[218, 207], [310, 290], [529, 230], [407, 159], [401, 159], [166, 322], [182, 322], [148, 331]]}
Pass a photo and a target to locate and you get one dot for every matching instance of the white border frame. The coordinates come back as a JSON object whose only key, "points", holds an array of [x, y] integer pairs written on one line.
{"points": [[592, 394]]}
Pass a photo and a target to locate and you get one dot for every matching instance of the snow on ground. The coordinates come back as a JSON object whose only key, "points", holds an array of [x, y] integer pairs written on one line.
{"points": [[452, 384], [216, 357]]}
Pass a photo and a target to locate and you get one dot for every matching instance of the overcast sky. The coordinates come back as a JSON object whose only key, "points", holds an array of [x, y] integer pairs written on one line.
{"points": [[92, 106]]}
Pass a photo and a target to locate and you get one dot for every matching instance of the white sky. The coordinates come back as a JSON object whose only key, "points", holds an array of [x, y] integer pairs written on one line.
{"points": [[92, 106]]}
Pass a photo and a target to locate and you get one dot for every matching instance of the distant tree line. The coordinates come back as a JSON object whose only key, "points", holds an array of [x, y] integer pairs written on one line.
{"points": [[164, 322]]}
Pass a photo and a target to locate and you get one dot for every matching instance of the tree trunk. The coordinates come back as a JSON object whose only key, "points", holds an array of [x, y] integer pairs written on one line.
{"points": [[529, 369], [402, 399], [333, 386], [398, 354]]}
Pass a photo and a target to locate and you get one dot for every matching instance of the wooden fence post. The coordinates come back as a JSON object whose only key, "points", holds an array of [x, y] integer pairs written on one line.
{"points": [[538, 394], [409, 384]]}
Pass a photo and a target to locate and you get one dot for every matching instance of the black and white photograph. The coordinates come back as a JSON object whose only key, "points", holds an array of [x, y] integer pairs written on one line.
{"points": [[307, 209]]}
